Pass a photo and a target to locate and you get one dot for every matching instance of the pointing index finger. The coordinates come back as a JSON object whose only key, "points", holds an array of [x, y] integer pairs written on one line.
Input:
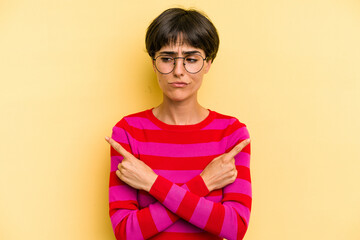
{"points": [[233, 152], [117, 147]]}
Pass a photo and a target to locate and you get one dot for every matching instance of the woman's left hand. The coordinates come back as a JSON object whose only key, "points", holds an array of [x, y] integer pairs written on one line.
{"points": [[133, 171]]}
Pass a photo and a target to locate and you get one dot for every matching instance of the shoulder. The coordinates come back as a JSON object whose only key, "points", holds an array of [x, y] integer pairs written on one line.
{"points": [[137, 120], [235, 131], [227, 120]]}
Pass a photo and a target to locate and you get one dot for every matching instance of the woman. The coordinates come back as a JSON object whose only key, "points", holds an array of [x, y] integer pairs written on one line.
{"points": [[179, 170]]}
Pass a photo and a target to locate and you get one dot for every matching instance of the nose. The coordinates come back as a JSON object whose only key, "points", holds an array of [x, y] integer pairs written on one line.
{"points": [[179, 67]]}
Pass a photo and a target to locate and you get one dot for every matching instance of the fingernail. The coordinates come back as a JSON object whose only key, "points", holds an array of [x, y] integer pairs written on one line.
{"points": [[248, 140], [107, 138]]}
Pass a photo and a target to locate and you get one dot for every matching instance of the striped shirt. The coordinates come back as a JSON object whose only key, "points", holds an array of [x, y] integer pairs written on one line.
{"points": [[179, 205]]}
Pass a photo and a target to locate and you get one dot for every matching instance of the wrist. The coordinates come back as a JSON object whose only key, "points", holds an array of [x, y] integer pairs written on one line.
{"points": [[151, 181], [197, 186], [206, 181]]}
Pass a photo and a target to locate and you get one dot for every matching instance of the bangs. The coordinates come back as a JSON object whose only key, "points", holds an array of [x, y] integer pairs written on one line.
{"points": [[176, 39], [180, 31], [177, 26]]}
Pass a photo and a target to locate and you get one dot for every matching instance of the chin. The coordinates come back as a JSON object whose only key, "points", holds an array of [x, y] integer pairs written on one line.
{"points": [[177, 97]]}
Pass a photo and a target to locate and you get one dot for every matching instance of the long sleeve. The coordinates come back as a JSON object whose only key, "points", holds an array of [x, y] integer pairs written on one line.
{"points": [[128, 220], [229, 218], [178, 154]]}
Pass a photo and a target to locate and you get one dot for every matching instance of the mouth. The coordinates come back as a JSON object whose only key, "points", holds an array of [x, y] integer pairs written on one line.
{"points": [[178, 84]]}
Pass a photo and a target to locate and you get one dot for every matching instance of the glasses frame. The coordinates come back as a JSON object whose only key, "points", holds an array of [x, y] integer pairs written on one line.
{"points": [[183, 58]]}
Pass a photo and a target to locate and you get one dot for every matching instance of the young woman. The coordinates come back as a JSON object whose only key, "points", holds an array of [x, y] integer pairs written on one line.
{"points": [[179, 170]]}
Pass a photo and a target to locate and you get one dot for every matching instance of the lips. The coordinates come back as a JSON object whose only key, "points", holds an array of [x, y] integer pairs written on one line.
{"points": [[179, 84]]}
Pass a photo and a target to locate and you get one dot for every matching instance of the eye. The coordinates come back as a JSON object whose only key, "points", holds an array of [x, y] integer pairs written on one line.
{"points": [[166, 59], [192, 59]]}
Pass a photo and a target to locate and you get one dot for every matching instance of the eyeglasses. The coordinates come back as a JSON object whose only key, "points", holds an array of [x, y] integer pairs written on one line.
{"points": [[193, 63]]}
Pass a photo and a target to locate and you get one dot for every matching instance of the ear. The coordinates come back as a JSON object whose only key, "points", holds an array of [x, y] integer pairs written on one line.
{"points": [[207, 66]]}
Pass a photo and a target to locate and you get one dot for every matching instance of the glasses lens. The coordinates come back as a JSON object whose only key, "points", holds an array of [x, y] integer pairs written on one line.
{"points": [[193, 63], [164, 64]]}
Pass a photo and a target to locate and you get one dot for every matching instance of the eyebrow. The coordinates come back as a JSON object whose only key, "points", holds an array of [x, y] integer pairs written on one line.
{"points": [[174, 53]]}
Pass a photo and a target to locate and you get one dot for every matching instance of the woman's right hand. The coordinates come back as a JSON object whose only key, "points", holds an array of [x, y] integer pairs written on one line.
{"points": [[221, 171]]}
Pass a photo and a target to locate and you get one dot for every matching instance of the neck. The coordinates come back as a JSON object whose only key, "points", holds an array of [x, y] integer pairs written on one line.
{"points": [[180, 113]]}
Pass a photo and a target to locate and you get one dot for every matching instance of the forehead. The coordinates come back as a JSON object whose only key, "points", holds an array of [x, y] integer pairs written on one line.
{"points": [[180, 48]]}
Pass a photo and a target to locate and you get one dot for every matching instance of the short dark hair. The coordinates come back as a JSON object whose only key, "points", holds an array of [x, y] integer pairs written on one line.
{"points": [[194, 28]]}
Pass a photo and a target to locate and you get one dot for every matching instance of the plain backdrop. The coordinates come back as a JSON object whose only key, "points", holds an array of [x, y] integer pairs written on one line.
{"points": [[69, 70]]}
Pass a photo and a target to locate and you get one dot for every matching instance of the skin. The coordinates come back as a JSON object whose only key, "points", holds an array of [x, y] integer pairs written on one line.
{"points": [[179, 107]]}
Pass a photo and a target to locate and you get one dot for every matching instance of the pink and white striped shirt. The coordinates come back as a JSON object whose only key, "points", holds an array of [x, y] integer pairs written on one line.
{"points": [[179, 205]]}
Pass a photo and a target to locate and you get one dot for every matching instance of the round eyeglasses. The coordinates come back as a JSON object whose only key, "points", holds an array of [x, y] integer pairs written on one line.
{"points": [[193, 63]]}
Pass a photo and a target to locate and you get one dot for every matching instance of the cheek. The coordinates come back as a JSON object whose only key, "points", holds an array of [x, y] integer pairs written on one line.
{"points": [[198, 84], [161, 81], [198, 81]]}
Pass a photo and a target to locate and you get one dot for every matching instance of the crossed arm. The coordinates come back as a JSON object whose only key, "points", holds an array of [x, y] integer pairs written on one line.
{"points": [[175, 201]]}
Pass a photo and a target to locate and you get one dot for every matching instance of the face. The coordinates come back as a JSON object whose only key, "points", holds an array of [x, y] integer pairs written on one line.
{"points": [[180, 85]]}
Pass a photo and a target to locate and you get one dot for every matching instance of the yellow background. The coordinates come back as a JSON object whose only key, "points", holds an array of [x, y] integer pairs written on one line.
{"points": [[69, 70]]}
